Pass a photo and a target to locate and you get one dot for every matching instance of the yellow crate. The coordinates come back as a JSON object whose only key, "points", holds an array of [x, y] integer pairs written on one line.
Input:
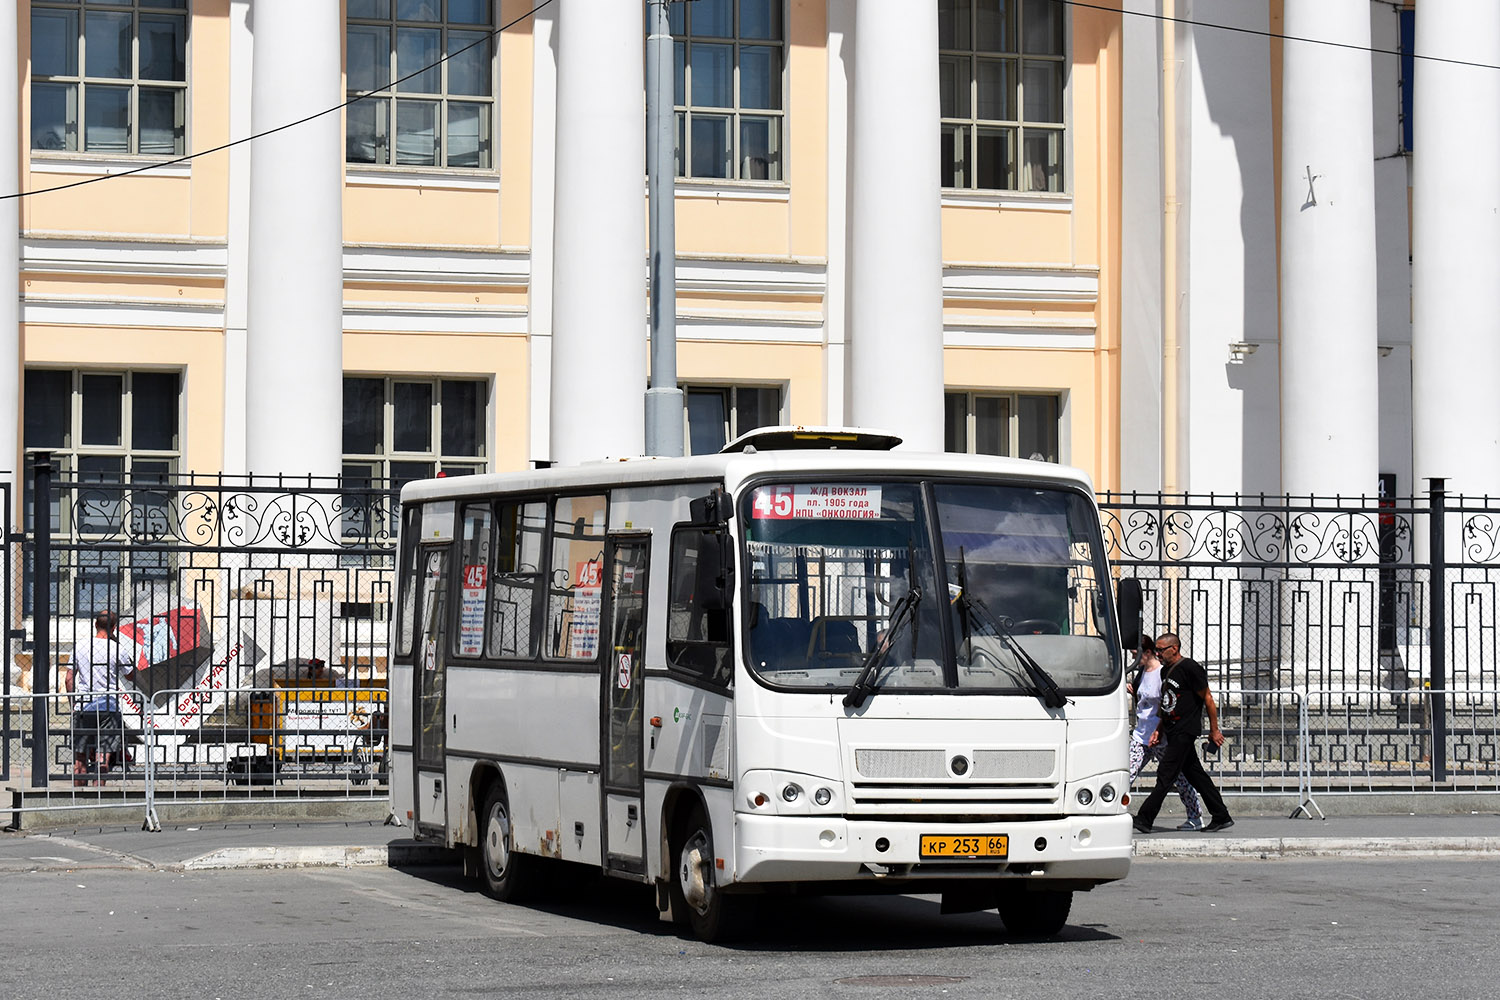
{"points": [[319, 721]]}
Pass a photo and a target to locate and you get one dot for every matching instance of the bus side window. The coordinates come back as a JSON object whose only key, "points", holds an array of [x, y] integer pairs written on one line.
{"points": [[575, 586], [408, 592], [699, 584], [474, 571], [516, 591]]}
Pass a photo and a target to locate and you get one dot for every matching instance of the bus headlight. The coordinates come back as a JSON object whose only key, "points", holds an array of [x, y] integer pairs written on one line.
{"points": [[1107, 793], [790, 793], [1084, 796], [822, 796]]}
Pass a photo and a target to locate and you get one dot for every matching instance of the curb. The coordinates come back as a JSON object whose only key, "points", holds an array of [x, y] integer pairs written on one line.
{"points": [[1318, 847], [394, 856]]}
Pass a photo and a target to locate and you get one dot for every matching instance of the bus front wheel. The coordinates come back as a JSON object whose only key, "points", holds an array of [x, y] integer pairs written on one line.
{"points": [[507, 874], [1034, 914], [713, 916]]}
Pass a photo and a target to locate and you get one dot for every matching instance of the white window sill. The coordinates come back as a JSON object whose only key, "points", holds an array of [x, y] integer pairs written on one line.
{"points": [[432, 179], [1036, 202], [43, 162], [723, 190]]}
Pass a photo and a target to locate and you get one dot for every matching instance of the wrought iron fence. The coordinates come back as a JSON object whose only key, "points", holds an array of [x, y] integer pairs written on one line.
{"points": [[220, 585], [1328, 644], [1395, 596]]}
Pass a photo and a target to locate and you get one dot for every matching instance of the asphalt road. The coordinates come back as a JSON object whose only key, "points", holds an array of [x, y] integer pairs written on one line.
{"points": [[1198, 928]]}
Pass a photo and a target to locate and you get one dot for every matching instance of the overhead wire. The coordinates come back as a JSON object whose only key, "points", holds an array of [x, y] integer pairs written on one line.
{"points": [[1265, 33], [187, 157]]}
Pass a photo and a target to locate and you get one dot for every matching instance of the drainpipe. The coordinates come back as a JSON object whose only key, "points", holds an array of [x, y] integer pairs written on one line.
{"points": [[1171, 445]]}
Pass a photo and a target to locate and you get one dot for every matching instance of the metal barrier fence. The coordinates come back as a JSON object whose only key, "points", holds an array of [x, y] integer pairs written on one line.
{"points": [[192, 745]]}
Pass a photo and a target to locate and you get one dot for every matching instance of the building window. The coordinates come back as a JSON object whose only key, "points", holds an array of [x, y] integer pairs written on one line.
{"points": [[118, 67], [729, 56], [397, 430], [1018, 425], [1001, 73], [105, 427], [443, 115], [715, 415]]}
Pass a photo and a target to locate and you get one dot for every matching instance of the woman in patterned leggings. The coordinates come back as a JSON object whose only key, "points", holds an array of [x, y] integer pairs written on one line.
{"points": [[1145, 744]]}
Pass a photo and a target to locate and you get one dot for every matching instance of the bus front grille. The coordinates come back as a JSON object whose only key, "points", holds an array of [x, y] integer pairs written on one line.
{"points": [[955, 799]]}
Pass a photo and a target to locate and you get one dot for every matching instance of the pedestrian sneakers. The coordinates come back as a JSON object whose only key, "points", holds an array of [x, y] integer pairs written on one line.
{"points": [[1222, 823], [1191, 825], [1141, 827]]}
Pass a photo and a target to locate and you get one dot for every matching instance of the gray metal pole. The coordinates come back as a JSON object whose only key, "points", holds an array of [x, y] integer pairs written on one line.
{"points": [[663, 398], [41, 616]]}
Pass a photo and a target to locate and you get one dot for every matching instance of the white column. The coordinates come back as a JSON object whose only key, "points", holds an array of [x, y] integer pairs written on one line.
{"points": [[1141, 428], [896, 265], [236, 282], [1455, 244], [599, 236], [1330, 408], [841, 15], [539, 287], [10, 256], [294, 345]]}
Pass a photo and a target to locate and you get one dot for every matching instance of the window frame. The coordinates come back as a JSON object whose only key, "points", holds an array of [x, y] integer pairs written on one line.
{"points": [[391, 98], [134, 566], [1016, 127], [730, 392], [81, 81], [683, 111], [441, 462], [1013, 420]]}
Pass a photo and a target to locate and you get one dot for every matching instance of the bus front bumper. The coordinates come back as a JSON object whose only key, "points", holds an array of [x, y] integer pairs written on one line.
{"points": [[830, 848]]}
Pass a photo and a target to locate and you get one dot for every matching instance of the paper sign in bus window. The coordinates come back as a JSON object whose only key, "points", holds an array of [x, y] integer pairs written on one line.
{"points": [[471, 611], [848, 502]]}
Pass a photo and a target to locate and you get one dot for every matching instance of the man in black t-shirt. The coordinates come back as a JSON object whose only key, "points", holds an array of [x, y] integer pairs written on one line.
{"points": [[1184, 696]]}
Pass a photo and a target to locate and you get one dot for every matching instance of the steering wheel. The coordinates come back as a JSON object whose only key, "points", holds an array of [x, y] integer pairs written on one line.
{"points": [[1035, 626]]}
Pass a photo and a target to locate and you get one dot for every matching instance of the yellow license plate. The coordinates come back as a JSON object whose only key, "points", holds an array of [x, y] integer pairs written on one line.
{"points": [[987, 846]]}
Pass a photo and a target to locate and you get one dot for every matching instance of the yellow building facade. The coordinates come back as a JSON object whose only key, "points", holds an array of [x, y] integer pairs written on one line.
{"points": [[135, 284]]}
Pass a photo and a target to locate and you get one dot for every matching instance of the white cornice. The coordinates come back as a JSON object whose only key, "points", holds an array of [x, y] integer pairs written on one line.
{"points": [[137, 258], [445, 266], [1033, 336], [992, 283], [155, 314]]}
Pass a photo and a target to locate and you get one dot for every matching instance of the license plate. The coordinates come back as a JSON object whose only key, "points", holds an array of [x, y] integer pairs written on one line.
{"points": [[987, 846]]}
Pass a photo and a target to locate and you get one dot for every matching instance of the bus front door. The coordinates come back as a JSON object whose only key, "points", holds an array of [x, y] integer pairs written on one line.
{"points": [[624, 671], [429, 697]]}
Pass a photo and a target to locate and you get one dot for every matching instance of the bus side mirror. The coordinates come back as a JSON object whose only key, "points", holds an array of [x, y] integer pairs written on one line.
{"points": [[714, 508], [715, 574], [1128, 601]]}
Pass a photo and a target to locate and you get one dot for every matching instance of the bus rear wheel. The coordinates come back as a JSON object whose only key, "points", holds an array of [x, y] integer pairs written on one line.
{"points": [[1040, 913], [507, 875], [712, 915]]}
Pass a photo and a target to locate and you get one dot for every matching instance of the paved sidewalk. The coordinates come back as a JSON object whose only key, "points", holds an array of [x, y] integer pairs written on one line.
{"points": [[283, 844]]}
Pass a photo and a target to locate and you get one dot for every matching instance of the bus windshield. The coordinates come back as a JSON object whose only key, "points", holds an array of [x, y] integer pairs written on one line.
{"points": [[832, 566]]}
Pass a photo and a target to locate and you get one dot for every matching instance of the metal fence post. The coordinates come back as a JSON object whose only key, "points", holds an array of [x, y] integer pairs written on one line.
{"points": [[41, 614], [1437, 625]]}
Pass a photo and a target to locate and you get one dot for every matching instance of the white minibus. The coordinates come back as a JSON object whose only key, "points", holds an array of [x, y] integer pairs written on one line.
{"points": [[808, 664]]}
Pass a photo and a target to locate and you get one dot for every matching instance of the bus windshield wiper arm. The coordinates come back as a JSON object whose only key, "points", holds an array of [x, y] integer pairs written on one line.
{"points": [[975, 609], [904, 614]]}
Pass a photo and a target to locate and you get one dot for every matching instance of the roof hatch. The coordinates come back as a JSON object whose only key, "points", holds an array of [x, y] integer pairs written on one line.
{"points": [[813, 438]]}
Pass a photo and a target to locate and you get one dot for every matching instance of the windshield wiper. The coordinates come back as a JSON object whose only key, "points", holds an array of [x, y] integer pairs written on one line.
{"points": [[976, 610], [903, 615]]}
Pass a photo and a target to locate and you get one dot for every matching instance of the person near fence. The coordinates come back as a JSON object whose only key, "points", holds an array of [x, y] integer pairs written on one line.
{"points": [[1184, 697], [99, 666], [1146, 743]]}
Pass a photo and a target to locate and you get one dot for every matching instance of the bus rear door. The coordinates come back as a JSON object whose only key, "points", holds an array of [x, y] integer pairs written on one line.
{"points": [[429, 691], [628, 558]]}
